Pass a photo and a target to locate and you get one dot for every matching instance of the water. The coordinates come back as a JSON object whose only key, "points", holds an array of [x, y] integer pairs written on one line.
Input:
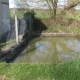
{"points": [[50, 50]]}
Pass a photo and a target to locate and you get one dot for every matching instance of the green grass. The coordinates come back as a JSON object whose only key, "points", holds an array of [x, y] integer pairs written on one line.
{"points": [[61, 71], [20, 14], [27, 71], [68, 16], [2, 44], [68, 71], [42, 15], [76, 31], [6, 44], [39, 14], [65, 26], [45, 14], [59, 29], [77, 13]]}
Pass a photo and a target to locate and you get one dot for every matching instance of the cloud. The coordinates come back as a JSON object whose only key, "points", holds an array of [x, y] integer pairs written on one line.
{"points": [[40, 5], [12, 3]]}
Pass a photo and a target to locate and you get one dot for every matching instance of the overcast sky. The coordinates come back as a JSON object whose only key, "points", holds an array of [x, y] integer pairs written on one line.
{"points": [[38, 4], [35, 3]]}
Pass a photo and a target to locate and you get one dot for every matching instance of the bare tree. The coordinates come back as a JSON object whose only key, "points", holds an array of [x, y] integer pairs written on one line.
{"points": [[55, 7], [71, 5], [52, 4], [22, 4]]}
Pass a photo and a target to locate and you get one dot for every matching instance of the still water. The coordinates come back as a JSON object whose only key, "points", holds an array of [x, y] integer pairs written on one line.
{"points": [[50, 50]]}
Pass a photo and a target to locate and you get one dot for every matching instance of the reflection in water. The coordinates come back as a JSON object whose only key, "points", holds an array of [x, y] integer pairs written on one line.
{"points": [[50, 50]]}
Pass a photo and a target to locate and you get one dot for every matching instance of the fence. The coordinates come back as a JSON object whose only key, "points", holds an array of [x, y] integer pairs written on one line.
{"points": [[18, 28]]}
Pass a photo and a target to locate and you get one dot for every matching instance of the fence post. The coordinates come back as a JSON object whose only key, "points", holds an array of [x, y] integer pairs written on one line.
{"points": [[0, 54], [16, 27]]}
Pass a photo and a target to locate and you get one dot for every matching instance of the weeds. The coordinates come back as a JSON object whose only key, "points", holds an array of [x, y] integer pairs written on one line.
{"points": [[76, 31]]}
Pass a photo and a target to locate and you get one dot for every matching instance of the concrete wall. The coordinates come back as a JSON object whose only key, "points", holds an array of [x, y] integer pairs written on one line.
{"points": [[5, 1], [1, 29], [4, 17]]}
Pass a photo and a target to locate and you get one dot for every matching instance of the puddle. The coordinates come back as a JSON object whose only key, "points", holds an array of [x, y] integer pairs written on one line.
{"points": [[50, 50]]}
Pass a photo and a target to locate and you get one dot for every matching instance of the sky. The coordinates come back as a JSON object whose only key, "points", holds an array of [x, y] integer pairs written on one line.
{"points": [[11, 4], [35, 3], [38, 4]]}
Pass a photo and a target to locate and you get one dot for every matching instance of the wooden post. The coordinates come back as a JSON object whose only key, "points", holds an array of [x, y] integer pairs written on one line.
{"points": [[16, 26], [0, 54]]}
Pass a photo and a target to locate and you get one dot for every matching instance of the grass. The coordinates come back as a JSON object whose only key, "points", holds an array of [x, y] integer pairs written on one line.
{"points": [[76, 31], [19, 13], [77, 13], [7, 44], [28, 71], [67, 25], [45, 14], [68, 71], [61, 71], [59, 29], [68, 16], [39, 14], [42, 15], [71, 16]]}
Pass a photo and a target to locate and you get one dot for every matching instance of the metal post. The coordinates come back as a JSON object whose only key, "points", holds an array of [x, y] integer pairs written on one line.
{"points": [[16, 28]]}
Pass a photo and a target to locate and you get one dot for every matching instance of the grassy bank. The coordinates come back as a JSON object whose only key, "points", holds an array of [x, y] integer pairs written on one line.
{"points": [[62, 71], [70, 23], [5, 45], [19, 13]]}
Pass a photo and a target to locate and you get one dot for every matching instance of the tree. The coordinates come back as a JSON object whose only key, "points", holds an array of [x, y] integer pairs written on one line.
{"points": [[71, 5], [55, 7], [52, 4], [22, 4]]}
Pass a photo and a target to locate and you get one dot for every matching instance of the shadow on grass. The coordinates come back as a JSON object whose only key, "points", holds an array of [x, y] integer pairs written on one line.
{"points": [[39, 26]]}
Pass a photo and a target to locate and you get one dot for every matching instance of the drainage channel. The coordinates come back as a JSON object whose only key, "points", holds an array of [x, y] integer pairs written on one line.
{"points": [[12, 55]]}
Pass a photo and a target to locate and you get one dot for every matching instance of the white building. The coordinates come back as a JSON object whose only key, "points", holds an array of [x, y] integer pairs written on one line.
{"points": [[4, 17]]}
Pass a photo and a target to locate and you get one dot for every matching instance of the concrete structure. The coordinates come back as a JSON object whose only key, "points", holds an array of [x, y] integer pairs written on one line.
{"points": [[4, 17]]}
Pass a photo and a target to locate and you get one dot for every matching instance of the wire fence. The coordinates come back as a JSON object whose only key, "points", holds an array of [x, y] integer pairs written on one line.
{"points": [[24, 26]]}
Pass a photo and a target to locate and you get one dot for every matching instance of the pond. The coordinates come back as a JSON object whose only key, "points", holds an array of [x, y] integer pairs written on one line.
{"points": [[50, 50]]}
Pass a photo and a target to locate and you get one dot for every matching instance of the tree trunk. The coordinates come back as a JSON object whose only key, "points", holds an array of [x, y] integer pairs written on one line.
{"points": [[54, 14], [55, 8]]}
